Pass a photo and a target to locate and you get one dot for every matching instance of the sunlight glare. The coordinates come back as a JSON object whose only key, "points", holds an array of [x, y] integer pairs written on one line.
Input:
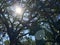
{"points": [[18, 10]]}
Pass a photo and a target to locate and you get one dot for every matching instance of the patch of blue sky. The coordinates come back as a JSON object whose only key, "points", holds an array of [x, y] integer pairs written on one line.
{"points": [[32, 37], [6, 37], [26, 31]]}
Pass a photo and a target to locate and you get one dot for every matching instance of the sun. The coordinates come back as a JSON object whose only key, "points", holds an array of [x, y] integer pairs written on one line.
{"points": [[18, 10]]}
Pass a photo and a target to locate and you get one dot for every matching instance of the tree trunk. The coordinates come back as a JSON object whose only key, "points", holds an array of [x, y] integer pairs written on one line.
{"points": [[12, 36], [12, 41]]}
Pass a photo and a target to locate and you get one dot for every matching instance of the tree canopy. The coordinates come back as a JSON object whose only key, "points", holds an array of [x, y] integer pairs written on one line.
{"points": [[39, 18]]}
